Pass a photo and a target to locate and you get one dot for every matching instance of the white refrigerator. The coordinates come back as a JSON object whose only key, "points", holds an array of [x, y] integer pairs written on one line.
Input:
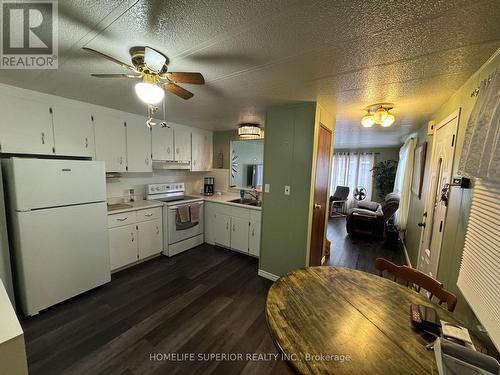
{"points": [[58, 229]]}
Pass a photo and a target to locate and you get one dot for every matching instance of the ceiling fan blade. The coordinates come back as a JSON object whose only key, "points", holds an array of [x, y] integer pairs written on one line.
{"points": [[177, 90], [154, 60], [182, 77], [115, 75], [122, 64]]}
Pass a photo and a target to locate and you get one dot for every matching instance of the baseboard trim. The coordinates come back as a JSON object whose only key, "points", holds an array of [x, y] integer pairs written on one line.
{"points": [[267, 275]]}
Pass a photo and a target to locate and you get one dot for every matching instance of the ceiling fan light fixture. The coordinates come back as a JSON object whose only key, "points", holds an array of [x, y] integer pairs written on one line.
{"points": [[149, 93], [388, 121], [368, 121], [250, 131]]}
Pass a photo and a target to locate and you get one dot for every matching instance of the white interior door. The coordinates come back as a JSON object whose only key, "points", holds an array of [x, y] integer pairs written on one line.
{"points": [[441, 169]]}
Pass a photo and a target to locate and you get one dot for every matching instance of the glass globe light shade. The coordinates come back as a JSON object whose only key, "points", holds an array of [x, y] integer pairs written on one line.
{"points": [[149, 93], [388, 121], [380, 115], [368, 121]]}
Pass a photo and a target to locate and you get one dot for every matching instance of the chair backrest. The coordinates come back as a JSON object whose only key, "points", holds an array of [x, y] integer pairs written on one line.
{"points": [[419, 280], [341, 193], [390, 205]]}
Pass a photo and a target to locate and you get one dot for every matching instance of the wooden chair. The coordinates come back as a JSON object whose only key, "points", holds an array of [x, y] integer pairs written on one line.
{"points": [[418, 280]]}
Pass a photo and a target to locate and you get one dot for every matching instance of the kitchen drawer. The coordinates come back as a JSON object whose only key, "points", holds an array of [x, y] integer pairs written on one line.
{"points": [[125, 218], [149, 214]]}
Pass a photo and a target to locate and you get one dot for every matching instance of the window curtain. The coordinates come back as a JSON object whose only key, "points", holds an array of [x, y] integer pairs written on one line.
{"points": [[480, 156], [353, 170], [402, 183]]}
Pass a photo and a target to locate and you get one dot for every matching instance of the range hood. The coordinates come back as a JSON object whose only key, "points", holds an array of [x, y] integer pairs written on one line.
{"points": [[162, 164]]}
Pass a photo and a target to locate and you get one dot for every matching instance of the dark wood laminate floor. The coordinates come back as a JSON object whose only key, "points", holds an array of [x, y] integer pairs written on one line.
{"points": [[206, 300], [356, 252]]}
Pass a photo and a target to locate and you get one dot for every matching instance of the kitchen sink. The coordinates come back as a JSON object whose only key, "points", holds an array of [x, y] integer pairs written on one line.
{"points": [[248, 202]]}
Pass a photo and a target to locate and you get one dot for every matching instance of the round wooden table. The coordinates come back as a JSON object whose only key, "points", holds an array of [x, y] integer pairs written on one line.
{"points": [[328, 320]]}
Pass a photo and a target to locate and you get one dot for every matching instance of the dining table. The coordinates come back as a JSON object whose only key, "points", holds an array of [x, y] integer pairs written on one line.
{"points": [[328, 320]]}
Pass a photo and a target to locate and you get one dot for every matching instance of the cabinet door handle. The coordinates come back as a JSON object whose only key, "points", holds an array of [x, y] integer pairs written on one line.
{"points": [[177, 150], [168, 150], [147, 161], [121, 160], [157, 230], [233, 228], [43, 138], [148, 215], [86, 142], [125, 218], [132, 234], [253, 232], [227, 226]]}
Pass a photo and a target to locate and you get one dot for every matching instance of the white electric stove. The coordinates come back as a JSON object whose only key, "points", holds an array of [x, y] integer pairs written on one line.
{"points": [[176, 237]]}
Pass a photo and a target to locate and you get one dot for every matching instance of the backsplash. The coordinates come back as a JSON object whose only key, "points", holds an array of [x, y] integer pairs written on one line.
{"points": [[117, 189]]}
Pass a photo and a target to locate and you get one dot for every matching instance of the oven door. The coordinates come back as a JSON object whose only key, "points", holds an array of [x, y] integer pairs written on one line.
{"points": [[175, 235]]}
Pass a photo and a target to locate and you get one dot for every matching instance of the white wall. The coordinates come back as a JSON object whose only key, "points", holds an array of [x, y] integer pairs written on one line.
{"points": [[117, 188]]}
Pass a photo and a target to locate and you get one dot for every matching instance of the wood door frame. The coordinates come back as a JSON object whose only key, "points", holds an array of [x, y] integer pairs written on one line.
{"points": [[430, 189], [330, 132]]}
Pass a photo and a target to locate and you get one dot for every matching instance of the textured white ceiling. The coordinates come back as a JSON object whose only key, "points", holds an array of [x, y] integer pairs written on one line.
{"points": [[344, 54]]}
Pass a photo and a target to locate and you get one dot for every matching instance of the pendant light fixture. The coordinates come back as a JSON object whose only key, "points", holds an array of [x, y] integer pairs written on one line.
{"points": [[378, 114], [250, 131]]}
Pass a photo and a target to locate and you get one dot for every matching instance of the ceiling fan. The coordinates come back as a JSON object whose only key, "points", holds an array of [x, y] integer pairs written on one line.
{"points": [[151, 67]]}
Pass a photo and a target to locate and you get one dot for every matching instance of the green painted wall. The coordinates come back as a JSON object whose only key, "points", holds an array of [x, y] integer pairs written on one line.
{"points": [[288, 160], [222, 144], [460, 199], [381, 154]]}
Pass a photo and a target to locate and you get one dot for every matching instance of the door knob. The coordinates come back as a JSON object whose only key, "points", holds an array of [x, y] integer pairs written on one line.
{"points": [[317, 206]]}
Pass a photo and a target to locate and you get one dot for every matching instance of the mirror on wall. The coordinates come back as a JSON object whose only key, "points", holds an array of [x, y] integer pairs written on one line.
{"points": [[247, 164]]}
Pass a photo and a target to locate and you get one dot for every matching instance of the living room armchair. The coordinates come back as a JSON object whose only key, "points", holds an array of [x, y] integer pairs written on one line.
{"points": [[370, 218], [339, 200]]}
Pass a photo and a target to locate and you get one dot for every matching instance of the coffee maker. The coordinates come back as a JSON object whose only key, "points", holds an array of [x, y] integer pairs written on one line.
{"points": [[208, 188]]}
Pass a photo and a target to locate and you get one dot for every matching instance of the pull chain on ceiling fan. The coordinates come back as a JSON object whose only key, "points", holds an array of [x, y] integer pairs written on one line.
{"points": [[151, 66]]}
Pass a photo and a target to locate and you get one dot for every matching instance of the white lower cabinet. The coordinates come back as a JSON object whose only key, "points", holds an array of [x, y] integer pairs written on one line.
{"points": [[222, 232], [133, 236], [239, 234], [150, 240], [237, 228], [122, 246]]}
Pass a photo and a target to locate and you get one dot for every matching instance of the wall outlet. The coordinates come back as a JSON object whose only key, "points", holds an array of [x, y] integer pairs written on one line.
{"points": [[287, 190], [266, 188]]}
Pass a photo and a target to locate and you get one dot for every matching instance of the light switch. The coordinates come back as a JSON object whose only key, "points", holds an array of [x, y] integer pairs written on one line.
{"points": [[266, 188], [287, 190]]}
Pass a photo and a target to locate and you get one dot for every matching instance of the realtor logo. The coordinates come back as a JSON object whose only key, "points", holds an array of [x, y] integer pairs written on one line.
{"points": [[29, 34]]}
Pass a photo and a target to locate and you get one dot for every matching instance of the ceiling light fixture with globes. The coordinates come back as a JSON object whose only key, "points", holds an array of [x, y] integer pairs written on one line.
{"points": [[379, 114]]}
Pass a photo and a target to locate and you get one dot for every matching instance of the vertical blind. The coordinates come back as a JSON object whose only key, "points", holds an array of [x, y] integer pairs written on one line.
{"points": [[479, 277]]}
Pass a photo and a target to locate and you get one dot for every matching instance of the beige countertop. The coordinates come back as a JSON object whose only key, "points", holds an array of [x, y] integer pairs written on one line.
{"points": [[137, 205], [226, 197]]}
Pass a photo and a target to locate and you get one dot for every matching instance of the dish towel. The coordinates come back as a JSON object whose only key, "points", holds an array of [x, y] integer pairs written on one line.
{"points": [[183, 212], [195, 213]]}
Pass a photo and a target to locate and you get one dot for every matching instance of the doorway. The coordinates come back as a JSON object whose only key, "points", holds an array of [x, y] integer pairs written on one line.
{"points": [[320, 205], [441, 169]]}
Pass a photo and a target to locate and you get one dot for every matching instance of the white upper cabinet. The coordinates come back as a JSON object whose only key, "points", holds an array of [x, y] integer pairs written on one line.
{"points": [[182, 142], [138, 145], [162, 142], [201, 151], [110, 141], [73, 130], [25, 126]]}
